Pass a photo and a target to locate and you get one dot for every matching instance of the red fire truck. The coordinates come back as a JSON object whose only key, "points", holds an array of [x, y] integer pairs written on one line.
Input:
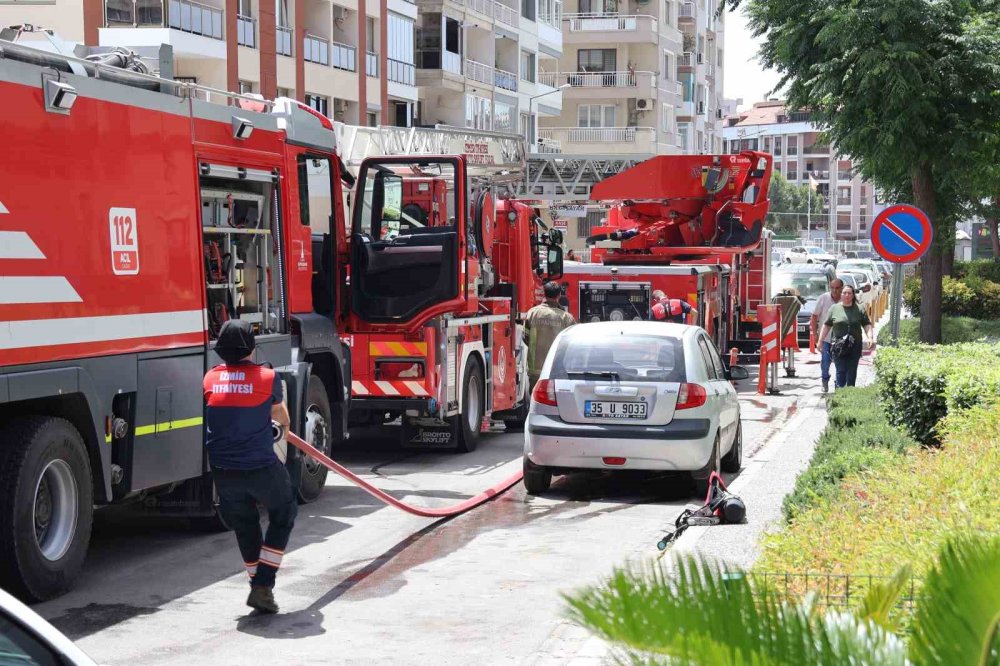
{"points": [[691, 226], [441, 275]]}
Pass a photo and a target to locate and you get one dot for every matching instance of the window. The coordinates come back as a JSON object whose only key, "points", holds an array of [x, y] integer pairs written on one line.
{"points": [[281, 13], [194, 79], [527, 66], [706, 356], [478, 112], [596, 60], [372, 119], [598, 6], [687, 84], [585, 225], [793, 170], [595, 115], [528, 127], [528, 9], [284, 92], [371, 35], [668, 117], [319, 102], [843, 221], [20, 646], [636, 358], [315, 195], [668, 67], [503, 117], [400, 38]]}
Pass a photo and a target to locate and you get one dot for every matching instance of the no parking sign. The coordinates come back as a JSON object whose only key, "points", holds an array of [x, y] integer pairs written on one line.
{"points": [[901, 234]]}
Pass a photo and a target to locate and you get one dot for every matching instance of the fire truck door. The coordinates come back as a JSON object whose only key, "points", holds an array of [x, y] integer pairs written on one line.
{"points": [[316, 208], [504, 384], [399, 268]]}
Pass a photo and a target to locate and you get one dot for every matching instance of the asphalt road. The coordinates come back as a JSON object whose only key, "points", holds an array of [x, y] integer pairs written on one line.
{"points": [[366, 583]]}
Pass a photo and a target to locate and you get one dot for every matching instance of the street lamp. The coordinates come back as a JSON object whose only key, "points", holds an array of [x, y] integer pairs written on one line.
{"points": [[533, 98]]}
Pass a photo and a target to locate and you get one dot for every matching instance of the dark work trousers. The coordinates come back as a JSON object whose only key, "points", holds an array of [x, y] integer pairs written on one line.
{"points": [[239, 493], [847, 368]]}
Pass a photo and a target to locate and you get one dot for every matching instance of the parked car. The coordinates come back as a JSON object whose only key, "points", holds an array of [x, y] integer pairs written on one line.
{"points": [[866, 265], [636, 395], [886, 269], [860, 254], [810, 282], [26, 638], [809, 255]]}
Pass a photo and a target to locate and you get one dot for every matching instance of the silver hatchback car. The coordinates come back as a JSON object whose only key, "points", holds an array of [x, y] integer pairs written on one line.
{"points": [[636, 395]]}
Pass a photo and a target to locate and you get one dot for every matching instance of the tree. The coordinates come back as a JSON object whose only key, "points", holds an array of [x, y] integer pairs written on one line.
{"points": [[705, 615], [907, 88], [790, 204]]}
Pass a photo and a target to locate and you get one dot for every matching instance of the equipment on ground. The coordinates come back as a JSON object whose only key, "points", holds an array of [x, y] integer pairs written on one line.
{"points": [[721, 507]]}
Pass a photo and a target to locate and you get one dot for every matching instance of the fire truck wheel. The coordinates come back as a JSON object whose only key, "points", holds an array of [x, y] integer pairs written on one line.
{"points": [[46, 490], [469, 422], [319, 433], [701, 484], [732, 462], [536, 479]]}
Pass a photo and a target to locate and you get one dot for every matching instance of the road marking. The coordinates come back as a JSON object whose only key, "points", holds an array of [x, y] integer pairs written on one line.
{"points": [[78, 330]]}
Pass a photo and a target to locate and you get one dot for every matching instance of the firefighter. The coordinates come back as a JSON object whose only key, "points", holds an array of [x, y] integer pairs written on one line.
{"points": [[544, 322], [242, 398], [672, 310]]}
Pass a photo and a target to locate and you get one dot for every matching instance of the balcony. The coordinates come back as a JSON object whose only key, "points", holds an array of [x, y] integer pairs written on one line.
{"points": [[402, 72], [845, 176], [329, 54], [686, 13], [627, 29], [183, 15], [816, 149], [605, 140], [283, 40], [551, 15], [687, 59], [479, 72], [505, 14], [843, 201], [371, 64], [587, 85], [505, 80], [246, 31]]}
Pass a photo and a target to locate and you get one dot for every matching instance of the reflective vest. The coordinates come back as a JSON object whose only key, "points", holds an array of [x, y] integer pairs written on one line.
{"points": [[668, 308]]}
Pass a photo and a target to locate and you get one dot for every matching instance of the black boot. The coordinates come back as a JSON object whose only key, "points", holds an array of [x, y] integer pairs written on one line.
{"points": [[262, 599]]}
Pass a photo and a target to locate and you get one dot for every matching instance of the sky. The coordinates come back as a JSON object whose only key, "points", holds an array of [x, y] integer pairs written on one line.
{"points": [[744, 77]]}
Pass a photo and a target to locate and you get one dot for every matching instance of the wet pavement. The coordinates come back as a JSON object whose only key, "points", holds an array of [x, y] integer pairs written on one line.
{"points": [[366, 583]]}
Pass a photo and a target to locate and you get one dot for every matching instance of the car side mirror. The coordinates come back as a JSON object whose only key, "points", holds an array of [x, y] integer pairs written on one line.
{"points": [[866, 288], [737, 372]]}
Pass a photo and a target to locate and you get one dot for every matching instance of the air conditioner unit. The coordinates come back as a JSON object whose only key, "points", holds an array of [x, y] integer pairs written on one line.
{"points": [[644, 104]]}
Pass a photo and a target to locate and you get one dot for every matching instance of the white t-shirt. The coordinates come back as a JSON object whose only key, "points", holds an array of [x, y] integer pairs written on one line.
{"points": [[820, 311]]}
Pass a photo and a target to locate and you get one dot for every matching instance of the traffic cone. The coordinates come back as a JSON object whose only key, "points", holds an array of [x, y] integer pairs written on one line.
{"points": [[812, 341], [734, 357], [762, 380]]}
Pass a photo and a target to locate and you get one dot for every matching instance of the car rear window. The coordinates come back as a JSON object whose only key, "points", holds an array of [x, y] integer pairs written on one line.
{"points": [[635, 358]]}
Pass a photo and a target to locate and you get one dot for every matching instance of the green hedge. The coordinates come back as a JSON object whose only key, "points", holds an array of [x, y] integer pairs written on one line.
{"points": [[953, 330], [972, 291], [984, 269], [920, 384], [858, 438]]}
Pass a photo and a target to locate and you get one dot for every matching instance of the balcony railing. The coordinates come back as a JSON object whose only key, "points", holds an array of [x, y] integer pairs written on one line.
{"points": [[451, 62], [687, 59], [505, 80], [181, 15], [505, 14], [283, 40], [842, 201], [552, 15], [246, 31], [687, 11], [792, 150], [477, 71], [371, 64], [816, 149], [481, 6], [595, 134], [598, 79], [316, 49], [845, 175], [402, 72], [609, 22], [344, 57]]}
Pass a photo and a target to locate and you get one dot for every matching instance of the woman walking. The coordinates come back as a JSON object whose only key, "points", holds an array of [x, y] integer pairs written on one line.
{"points": [[847, 320]]}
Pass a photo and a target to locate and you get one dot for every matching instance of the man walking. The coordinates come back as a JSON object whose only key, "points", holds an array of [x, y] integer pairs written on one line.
{"points": [[242, 399], [544, 322], [672, 310], [820, 311]]}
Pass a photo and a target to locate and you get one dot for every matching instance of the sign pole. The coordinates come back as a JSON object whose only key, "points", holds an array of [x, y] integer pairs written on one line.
{"points": [[896, 307]]}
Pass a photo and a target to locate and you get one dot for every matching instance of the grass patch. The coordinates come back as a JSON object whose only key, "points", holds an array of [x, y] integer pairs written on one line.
{"points": [[857, 439], [881, 518], [953, 330]]}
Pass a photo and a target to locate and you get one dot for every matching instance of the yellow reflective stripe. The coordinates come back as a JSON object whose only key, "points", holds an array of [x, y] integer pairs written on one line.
{"points": [[168, 425]]}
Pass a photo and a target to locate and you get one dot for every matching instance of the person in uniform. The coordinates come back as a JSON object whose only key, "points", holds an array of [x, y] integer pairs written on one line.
{"points": [[242, 398], [544, 322], [672, 310]]}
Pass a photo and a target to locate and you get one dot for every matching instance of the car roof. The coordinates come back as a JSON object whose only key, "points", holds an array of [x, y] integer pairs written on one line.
{"points": [[625, 328], [803, 268]]}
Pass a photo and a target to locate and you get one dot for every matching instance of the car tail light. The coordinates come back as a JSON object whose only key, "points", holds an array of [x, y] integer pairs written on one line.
{"points": [[691, 395], [613, 461], [545, 392], [399, 370]]}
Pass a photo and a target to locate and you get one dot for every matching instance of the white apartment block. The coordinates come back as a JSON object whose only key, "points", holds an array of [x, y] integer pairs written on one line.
{"points": [[478, 63], [641, 77], [800, 154], [352, 60]]}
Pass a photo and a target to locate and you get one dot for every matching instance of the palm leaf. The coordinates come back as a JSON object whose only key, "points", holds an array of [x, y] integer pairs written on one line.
{"points": [[700, 614], [958, 617], [881, 598]]}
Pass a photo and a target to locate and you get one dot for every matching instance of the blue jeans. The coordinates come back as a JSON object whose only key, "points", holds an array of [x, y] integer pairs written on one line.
{"points": [[847, 368], [824, 363]]}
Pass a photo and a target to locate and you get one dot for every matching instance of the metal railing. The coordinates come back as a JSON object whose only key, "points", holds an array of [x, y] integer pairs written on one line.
{"points": [[371, 64], [481, 6], [609, 22], [451, 62], [792, 150], [552, 15], [246, 31], [477, 71], [344, 57], [687, 11], [549, 146], [629, 79], [316, 49], [687, 59], [283, 40], [183, 15], [505, 80], [402, 72], [505, 14], [595, 134], [816, 149]]}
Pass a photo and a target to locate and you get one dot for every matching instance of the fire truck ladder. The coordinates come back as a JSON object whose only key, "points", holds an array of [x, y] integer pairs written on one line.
{"points": [[554, 176]]}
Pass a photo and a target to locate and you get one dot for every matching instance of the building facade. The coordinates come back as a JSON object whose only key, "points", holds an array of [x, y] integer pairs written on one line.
{"points": [[641, 77], [802, 157], [478, 63], [352, 60]]}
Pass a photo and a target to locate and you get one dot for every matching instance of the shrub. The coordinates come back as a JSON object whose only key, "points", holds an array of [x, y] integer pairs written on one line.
{"points": [[920, 384], [984, 269], [858, 437], [971, 294], [953, 330]]}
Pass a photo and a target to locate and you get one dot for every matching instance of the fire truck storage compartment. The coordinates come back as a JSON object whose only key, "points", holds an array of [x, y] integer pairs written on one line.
{"points": [[241, 265], [619, 301]]}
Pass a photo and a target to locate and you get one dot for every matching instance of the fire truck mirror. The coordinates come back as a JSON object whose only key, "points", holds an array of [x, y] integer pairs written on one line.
{"points": [[554, 263], [389, 190]]}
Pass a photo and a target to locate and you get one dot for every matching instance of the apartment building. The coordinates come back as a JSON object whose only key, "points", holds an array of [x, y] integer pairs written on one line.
{"points": [[641, 77], [800, 154], [352, 60], [478, 63]]}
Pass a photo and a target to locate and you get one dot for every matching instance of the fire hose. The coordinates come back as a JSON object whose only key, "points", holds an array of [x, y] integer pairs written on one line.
{"points": [[442, 512]]}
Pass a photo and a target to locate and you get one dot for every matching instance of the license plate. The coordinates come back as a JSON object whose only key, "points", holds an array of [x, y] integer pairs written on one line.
{"points": [[605, 409], [804, 328]]}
